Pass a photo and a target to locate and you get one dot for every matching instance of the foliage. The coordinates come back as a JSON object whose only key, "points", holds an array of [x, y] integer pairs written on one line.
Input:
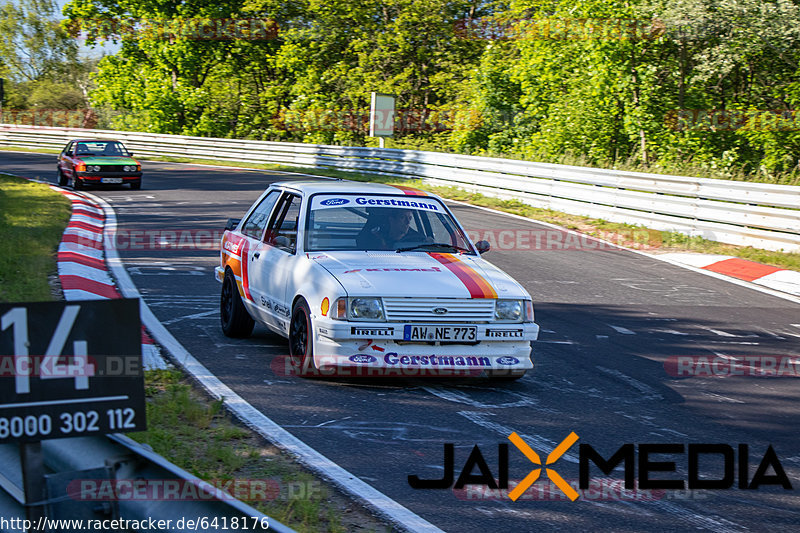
{"points": [[643, 83], [32, 44], [611, 81], [39, 59]]}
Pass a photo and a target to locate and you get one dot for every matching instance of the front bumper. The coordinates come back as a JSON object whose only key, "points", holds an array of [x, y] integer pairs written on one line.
{"points": [[101, 177], [371, 349]]}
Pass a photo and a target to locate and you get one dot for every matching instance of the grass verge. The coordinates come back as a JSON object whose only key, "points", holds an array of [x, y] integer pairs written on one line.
{"points": [[32, 219], [34, 150]]}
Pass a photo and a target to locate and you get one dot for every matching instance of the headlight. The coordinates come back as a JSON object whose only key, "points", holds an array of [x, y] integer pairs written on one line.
{"points": [[366, 309], [508, 310], [127, 168]]}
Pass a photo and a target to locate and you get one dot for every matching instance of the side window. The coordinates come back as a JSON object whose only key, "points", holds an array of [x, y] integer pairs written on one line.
{"points": [[68, 149], [282, 232], [257, 221]]}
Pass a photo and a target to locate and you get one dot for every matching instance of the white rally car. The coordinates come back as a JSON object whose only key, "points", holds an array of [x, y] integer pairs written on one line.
{"points": [[371, 280]]}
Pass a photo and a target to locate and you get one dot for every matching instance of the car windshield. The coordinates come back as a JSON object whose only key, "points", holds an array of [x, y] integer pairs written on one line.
{"points": [[382, 222], [99, 148]]}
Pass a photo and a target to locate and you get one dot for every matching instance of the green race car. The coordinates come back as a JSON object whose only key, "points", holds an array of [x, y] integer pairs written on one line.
{"points": [[98, 162]]}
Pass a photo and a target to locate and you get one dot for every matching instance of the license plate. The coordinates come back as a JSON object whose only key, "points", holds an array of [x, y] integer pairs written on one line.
{"points": [[111, 180], [439, 333]]}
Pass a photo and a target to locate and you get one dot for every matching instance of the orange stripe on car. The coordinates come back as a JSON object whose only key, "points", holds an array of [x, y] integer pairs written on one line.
{"points": [[477, 286], [235, 257], [245, 281], [411, 191]]}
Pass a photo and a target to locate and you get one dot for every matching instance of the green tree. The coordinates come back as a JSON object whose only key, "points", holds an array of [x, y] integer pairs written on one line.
{"points": [[33, 46]]}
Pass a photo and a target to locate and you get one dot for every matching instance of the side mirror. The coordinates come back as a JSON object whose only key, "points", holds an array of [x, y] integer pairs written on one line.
{"points": [[483, 247], [232, 223], [130, 154]]}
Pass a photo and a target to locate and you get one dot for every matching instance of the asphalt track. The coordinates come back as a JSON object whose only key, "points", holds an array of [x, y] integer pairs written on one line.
{"points": [[611, 320]]}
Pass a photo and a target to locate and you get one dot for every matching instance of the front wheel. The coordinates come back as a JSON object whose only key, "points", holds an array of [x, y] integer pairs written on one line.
{"points": [[62, 179], [235, 320], [136, 185], [301, 339]]}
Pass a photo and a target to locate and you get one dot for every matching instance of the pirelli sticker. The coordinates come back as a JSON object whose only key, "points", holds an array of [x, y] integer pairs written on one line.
{"points": [[371, 332], [515, 333]]}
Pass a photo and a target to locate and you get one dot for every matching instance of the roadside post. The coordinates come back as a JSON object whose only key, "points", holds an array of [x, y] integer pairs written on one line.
{"points": [[71, 369], [381, 116]]}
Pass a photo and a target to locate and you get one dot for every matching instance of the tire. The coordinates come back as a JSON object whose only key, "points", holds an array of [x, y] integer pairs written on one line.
{"points": [[136, 185], [234, 318], [62, 179], [77, 183], [301, 339]]}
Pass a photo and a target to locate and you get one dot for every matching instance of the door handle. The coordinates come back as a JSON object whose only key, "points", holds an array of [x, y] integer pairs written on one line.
{"points": [[256, 255]]}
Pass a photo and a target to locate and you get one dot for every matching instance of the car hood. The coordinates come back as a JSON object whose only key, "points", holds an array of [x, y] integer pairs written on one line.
{"points": [[418, 274], [106, 160]]}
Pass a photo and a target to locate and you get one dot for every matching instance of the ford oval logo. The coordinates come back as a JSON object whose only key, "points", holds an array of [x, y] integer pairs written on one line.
{"points": [[335, 201], [507, 360], [362, 358], [440, 311]]}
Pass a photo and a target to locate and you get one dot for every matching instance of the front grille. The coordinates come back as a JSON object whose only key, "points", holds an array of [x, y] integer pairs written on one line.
{"points": [[421, 309], [111, 168]]}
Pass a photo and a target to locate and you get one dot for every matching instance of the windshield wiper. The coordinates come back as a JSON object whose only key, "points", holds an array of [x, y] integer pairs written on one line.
{"points": [[436, 245]]}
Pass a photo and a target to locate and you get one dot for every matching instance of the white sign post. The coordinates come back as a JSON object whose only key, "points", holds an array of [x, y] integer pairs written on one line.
{"points": [[381, 116]]}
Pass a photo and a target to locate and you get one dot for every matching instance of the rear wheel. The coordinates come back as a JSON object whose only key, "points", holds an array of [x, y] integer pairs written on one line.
{"points": [[301, 339], [235, 320]]}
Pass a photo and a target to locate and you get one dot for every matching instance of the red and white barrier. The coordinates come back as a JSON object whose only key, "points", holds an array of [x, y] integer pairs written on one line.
{"points": [[82, 268], [769, 276]]}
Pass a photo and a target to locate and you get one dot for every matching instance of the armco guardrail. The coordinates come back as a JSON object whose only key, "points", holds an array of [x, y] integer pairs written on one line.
{"points": [[750, 214], [114, 477]]}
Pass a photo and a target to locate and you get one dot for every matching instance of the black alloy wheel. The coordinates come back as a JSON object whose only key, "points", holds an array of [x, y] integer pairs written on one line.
{"points": [[234, 318]]}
